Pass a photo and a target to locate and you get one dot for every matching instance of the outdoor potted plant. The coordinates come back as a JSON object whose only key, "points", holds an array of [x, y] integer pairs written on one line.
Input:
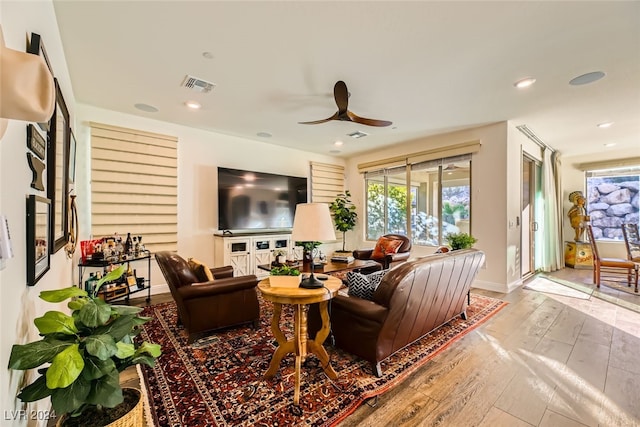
{"points": [[460, 240], [83, 354], [344, 215], [284, 277]]}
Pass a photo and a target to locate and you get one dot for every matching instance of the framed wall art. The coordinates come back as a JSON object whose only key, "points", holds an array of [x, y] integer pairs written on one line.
{"points": [[38, 236], [36, 47], [57, 171]]}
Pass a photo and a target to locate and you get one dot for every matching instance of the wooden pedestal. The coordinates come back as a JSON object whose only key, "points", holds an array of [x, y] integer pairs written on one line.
{"points": [[578, 255]]}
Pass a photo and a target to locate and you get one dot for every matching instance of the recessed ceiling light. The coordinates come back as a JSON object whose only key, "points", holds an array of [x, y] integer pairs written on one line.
{"points": [[264, 134], [338, 143], [586, 78], [207, 55], [526, 82], [609, 144], [194, 105], [605, 125], [146, 107], [357, 134]]}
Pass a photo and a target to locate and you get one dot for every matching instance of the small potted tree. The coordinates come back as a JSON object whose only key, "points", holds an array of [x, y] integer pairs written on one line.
{"points": [[344, 215], [83, 354]]}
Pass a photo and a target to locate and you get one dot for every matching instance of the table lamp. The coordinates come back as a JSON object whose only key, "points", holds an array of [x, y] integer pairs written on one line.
{"points": [[312, 223]]}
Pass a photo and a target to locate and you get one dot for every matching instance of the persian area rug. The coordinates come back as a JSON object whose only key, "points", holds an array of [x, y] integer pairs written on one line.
{"points": [[218, 380]]}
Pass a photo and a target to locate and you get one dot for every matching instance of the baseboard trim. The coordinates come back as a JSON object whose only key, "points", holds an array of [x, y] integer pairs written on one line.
{"points": [[161, 288], [514, 285]]}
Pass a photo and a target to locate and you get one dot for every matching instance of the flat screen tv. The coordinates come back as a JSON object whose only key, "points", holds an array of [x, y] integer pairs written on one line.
{"points": [[258, 201]]}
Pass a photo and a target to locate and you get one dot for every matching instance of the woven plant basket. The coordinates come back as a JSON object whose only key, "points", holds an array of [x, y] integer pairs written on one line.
{"points": [[133, 418]]}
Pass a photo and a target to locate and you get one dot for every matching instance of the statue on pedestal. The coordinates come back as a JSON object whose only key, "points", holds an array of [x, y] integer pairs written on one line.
{"points": [[578, 215]]}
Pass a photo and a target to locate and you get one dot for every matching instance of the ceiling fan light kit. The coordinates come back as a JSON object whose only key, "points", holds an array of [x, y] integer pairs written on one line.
{"points": [[341, 96]]}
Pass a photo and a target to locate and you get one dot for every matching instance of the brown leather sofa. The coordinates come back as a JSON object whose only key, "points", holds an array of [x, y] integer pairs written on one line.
{"points": [[206, 306], [389, 260], [413, 299]]}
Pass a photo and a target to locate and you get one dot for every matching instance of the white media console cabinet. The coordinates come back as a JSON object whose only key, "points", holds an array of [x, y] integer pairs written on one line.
{"points": [[246, 251]]}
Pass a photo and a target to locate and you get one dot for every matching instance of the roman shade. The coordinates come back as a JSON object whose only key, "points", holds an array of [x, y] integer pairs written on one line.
{"points": [[469, 147], [327, 181], [134, 185]]}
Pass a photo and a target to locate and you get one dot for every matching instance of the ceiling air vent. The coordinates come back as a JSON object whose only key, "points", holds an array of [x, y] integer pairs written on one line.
{"points": [[357, 134], [197, 84]]}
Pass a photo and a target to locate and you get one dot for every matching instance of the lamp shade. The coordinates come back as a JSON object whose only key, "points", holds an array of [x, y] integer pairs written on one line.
{"points": [[312, 223]]}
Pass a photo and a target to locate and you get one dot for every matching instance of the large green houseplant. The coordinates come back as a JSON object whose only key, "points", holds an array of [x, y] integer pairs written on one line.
{"points": [[344, 215], [84, 352]]}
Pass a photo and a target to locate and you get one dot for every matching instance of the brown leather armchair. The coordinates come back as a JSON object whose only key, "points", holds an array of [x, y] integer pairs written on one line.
{"points": [[388, 260], [206, 306]]}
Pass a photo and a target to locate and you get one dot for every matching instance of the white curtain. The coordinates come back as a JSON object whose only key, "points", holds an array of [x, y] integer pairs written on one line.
{"points": [[552, 247]]}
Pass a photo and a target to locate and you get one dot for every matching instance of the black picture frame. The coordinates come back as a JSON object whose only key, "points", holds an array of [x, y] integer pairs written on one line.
{"points": [[36, 142], [36, 47], [38, 236], [57, 172], [72, 158]]}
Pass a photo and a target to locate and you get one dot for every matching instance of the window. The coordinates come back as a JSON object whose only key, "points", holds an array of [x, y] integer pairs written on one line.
{"points": [[612, 200], [437, 197], [134, 185], [386, 202]]}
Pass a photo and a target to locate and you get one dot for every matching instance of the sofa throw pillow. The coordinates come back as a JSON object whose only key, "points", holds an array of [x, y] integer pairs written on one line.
{"points": [[364, 285], [385, 246], [200, 270]]}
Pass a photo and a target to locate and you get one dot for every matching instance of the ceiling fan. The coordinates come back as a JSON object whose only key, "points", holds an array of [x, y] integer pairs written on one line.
{"points": [[341, 95]]}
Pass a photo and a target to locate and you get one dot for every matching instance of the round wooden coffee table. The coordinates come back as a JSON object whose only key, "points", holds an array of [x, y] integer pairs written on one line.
{"points": [[300, 344]]}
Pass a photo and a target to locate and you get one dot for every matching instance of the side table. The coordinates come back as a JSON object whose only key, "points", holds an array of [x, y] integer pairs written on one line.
{"points": [[300, 344]]}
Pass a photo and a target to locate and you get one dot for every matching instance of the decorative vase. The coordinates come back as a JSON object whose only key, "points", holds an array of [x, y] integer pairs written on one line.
{"points": [[281, 259]]}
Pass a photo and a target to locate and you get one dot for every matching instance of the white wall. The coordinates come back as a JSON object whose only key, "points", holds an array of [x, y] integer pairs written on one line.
{"points": [[20, 303], [199, 154]]}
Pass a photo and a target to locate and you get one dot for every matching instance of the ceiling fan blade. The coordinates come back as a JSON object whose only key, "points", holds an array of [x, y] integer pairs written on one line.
{"points": [[368, 122], [341, 95], [315, 122]]}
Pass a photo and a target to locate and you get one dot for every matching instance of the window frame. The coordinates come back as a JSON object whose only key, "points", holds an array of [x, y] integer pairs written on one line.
{"points": [[608, 173], [384, 172]]}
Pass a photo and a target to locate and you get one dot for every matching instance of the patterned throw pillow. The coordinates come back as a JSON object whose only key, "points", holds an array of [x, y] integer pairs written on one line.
{"points": [[201, 271], [364, 285], [385, 246]]}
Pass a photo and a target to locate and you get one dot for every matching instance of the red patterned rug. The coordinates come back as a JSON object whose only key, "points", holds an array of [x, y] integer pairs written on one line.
{"points": [[217, 381]]}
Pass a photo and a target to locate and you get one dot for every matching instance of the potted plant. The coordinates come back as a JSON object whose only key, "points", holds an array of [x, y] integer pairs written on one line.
{"points": [[280, 256], [284, 277], [83, 354], [307, 250], [344, 215], [460, 240]]}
